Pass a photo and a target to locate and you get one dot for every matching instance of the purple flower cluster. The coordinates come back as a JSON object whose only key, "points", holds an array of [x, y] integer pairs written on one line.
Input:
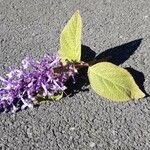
{"points": [[45, 77]]}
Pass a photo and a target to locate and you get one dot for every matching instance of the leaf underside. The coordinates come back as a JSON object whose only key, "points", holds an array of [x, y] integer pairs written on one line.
{"points": [[70, 39], [113, 82]]}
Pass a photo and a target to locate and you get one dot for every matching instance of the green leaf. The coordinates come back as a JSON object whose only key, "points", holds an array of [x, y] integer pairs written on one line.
{"points": [[56, 97], [113, 82], [70, 39], [40, 98]]}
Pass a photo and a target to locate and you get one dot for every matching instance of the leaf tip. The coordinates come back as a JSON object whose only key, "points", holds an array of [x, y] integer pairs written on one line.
{"points": [[140, 94], [77, 14], [77, 11]]}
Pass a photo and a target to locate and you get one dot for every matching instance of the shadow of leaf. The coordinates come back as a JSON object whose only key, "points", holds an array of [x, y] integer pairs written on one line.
{"points": [[120, 54], [87, 54], [81, 81], [138, 77]]}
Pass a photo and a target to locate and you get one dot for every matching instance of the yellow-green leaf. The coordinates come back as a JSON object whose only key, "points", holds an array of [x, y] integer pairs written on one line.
{"points": [[113, 82], [56, 97], [70, 39]]}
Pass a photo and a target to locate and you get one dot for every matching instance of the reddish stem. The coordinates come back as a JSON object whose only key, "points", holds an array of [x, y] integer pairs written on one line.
{"points": [[81, 65]]}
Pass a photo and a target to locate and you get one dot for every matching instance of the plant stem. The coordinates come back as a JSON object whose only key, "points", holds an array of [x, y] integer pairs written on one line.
{"points": [[80, 65]]}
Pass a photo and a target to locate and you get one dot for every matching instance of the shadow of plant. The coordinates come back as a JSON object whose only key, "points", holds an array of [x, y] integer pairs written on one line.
{"points": [[116, 55], [120, 54], [138, 77]]}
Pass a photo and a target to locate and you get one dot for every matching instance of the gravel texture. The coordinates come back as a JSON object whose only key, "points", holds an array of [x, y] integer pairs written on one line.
{"points": [[85, 121]]}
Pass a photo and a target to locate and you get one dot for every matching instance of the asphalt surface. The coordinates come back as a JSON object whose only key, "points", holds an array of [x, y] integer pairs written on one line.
{"points": [[85, 121]]}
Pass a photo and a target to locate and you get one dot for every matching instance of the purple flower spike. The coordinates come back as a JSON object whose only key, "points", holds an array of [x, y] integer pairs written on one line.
{"points": [[21, 86]]}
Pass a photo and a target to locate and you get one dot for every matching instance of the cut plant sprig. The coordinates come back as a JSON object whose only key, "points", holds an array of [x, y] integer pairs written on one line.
{"points": [[47, 77]]}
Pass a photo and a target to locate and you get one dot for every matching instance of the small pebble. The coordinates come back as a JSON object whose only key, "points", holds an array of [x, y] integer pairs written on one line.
{"points": [[146, 16], [92, 144], [72, 128]]}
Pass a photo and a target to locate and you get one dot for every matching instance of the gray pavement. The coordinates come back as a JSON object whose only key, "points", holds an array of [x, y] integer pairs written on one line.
{"points": [[84, 121]]}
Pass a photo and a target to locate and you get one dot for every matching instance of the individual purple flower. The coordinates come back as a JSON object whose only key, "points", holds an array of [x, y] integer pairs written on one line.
{"points": [[45, 77]]}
